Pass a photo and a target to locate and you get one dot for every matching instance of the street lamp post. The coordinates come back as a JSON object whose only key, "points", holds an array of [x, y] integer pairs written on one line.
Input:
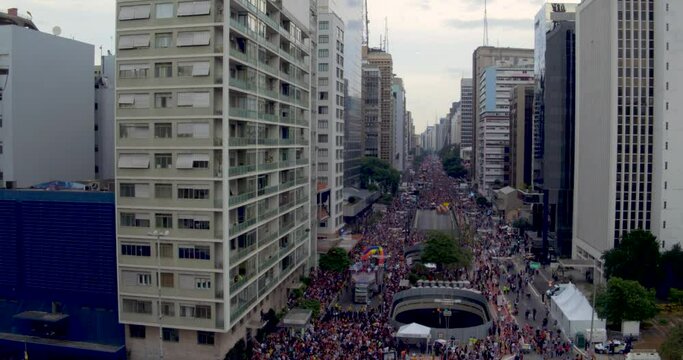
{"points": [[158, 234], [595, 270]]}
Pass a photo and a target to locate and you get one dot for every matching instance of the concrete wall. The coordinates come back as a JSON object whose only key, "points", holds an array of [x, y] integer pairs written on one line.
{"points": [[595, 127], [48, 115]]}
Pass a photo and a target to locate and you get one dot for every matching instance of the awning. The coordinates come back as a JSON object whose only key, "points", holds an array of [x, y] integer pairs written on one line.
{"points": [[296, 318], [41, 316], [414, 331]]}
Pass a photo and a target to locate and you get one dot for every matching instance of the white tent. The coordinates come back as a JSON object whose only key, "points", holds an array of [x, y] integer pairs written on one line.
{"points": [[414, 331], [573, 311]]}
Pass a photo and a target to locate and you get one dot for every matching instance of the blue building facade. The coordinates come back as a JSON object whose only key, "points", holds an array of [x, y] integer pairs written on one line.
{"points": [[58, 276]]}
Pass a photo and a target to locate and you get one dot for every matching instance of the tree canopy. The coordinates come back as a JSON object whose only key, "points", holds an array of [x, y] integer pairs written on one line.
{"points": [[445, 251], [452, 164], [625, 300], [336, 260], [671, 266], [672, 348], [379, 173], [636, 258]]}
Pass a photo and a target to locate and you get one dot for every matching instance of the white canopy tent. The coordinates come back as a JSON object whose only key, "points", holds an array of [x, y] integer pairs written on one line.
{"points": [[573, 311], [414, 331]]}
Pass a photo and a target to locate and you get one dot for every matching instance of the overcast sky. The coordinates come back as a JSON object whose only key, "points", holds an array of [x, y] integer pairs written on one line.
{"points": [[431, 40]]}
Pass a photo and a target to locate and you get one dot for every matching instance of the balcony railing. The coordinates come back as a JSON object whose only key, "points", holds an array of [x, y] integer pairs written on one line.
{"points": [[268, 166], [244, 113], [243, 84], [287, 185], [266, 264], [237, 228], [301, 180], [267, 238], [237, 284], [241, 198], [240, 253], [268, 214], [238, 141], [284, 228], [241, 170]]}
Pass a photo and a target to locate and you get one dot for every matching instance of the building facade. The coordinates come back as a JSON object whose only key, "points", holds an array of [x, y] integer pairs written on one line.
{"points": [[467, 113], [46, 107], [372, 109], [627, 158], [330, 121], [58, 276], [398, 94], [558, 129], [105, 105], [547, 18], [383, 61], [482, 58], [213, 169], [521, 136], [494, 87]]}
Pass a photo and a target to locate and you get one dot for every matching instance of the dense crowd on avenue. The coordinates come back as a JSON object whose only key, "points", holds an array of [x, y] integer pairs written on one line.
{"points": [[345, 333]]}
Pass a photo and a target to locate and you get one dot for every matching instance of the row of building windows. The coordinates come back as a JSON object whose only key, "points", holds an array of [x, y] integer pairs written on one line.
{"points": [[165, 10], [165, 221], [164, 100], [191, 130]]}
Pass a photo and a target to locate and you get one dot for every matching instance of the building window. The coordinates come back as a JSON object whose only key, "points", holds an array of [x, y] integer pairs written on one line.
{"points": [[134, 131], [193, 8], [163, 161], [133, 101], [137, 306], [164, 11], [144, 279], [202, 283], [323, 53], [194, 222], [205, 338], [323, 67], [163, 130], [163, 40], [163, 70], [127, 190], [134, 220], [323, 110], [135, 12], [168, 309], [166, 250], [193, 130], [133, 71], [323, 138], [323, 81], [163, 221], [136, 250], [193, 192], [323, 39], [194, 68], [167, 280], [139, 41], [323, 25], [171, 335], [197, 252], [322, 124], [163, 100], [136, 331], [194, 99], [193, 38], [163, 191], [195, 311], [193, 161]]}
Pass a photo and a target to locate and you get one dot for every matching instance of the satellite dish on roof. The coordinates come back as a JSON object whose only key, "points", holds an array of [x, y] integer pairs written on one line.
{"points": [[56, 31]]}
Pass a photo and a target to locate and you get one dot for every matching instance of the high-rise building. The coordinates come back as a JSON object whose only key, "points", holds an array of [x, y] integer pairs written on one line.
{"points": [[351, 13], [330, 121], [627, 124], [213, 168], [521, 135], [372, 109], [410, 140], [398, 94], [494, 87], [455, 122], [46, 105], [558, 130], [467, 114], [383, 61], [547, 18], [482, 58]]}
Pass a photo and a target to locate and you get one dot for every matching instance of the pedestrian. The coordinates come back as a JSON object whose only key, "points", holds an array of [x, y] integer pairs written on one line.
{"points": [[534, 312]]}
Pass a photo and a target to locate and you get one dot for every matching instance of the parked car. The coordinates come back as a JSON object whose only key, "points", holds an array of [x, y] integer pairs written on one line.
{"points": [[611, 347]]}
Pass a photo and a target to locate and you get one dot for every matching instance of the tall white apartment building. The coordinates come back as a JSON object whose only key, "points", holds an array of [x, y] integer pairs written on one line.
{"points": [[213, 169], [46, 105], [494, 87], [628, 172], [467, 113], [330, 121]]}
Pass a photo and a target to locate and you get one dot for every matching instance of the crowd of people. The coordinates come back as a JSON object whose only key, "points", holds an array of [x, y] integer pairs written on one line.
{"points": [[343, 333]]}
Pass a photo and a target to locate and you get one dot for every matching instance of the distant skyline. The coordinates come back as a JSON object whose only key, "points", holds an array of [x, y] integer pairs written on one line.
{"points": [[431, 40]]}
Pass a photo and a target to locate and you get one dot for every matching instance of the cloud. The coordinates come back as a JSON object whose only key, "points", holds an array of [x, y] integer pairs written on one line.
{"points": [[521, 24], [423, 4]]}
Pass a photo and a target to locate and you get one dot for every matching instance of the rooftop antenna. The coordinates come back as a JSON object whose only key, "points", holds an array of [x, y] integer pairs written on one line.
{"points": [[366, 35], [486, 25], [386, 34]]}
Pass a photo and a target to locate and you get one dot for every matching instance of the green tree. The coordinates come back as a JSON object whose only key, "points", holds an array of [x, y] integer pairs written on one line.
{"points": [[452, 164], [445, 251], [313, 305], [625, 300], [336, 260], [672, 348], [635, 258], [671, 266], [377, 172], [676, 296]]}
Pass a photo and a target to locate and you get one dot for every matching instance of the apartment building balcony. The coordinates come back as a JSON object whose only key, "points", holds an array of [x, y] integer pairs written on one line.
{"points": [[243, 84], [243, 113], [242, 56], [238, 227], [241, 252], [268, 260], [242, 141], [266, 238], [241, 170]]}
